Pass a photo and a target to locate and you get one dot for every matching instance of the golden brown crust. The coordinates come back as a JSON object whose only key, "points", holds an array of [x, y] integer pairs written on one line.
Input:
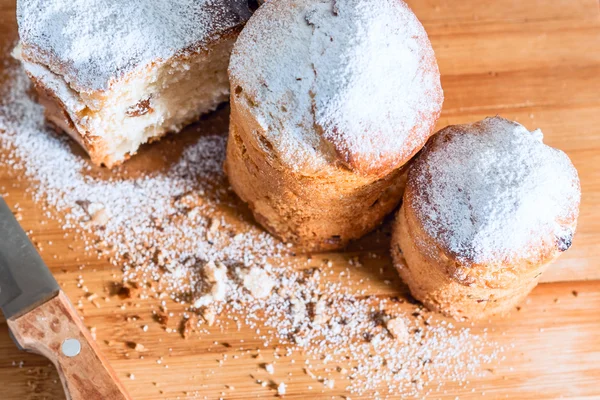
{"points": [[431, 276], [317, 212], [467, 272], [57, 115]]}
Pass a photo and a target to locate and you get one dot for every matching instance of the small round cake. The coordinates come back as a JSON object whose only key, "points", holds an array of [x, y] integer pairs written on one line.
{"points": [[329, 99], [487, 207]]}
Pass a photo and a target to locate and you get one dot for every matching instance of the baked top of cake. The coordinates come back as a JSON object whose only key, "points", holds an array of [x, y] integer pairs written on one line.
{"points": [[354, 77], [95, 43], [493, 192]]}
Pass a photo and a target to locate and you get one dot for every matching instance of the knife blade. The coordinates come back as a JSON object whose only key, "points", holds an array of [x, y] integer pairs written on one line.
{"points": [[25, 280]]}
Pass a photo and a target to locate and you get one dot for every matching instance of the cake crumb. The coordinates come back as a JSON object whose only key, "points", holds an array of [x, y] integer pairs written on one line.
{"points": [[162, 318], [398, 329], [269, 368], [281, 388], [257, 281], [188, 326], [310, 373], [215, 278], [209, 315], [138, 347]]}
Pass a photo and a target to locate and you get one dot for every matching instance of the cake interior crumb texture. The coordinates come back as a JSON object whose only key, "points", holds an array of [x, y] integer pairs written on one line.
{"points": [[167, 98], [118, 74]]}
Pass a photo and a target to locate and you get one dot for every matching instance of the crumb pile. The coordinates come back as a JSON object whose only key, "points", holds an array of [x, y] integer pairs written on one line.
{"points": [[170, 233]]}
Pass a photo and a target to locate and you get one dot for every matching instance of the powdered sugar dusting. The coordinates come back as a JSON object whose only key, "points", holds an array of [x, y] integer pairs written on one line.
{"points": [[369, 96], [492, 191], [99, 41], [169, 232], [362, 71], [139, 209]]}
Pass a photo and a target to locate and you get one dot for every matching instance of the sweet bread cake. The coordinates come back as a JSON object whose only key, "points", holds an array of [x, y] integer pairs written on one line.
{"points": [[329, 100], [116, 74], [487, 207]]}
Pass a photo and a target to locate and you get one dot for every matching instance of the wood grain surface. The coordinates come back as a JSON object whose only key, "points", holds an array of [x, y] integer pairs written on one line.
{"points": [[534, 61]]}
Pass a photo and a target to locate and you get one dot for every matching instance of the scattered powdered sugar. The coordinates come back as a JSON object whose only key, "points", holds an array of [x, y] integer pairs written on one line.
{"points": [[171, 233], [362, 71], [98, 41], [163, 214], [380, 345], [492, 191]]}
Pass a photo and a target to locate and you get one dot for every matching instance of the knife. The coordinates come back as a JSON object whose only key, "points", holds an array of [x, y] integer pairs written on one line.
{"points": [[42, 320]]}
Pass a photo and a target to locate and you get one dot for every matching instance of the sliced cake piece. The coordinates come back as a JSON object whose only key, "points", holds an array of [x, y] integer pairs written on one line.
{"points": [[116, 74]]}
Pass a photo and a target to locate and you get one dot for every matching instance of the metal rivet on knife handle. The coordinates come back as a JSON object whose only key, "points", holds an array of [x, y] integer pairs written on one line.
{"points": [[71, 347]]}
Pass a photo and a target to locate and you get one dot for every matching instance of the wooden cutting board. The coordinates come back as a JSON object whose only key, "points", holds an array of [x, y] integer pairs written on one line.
{"points": [[537, 62]]}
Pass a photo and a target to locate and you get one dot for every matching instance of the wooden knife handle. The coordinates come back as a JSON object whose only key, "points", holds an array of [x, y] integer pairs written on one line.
{"points": [[44, 330]]}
